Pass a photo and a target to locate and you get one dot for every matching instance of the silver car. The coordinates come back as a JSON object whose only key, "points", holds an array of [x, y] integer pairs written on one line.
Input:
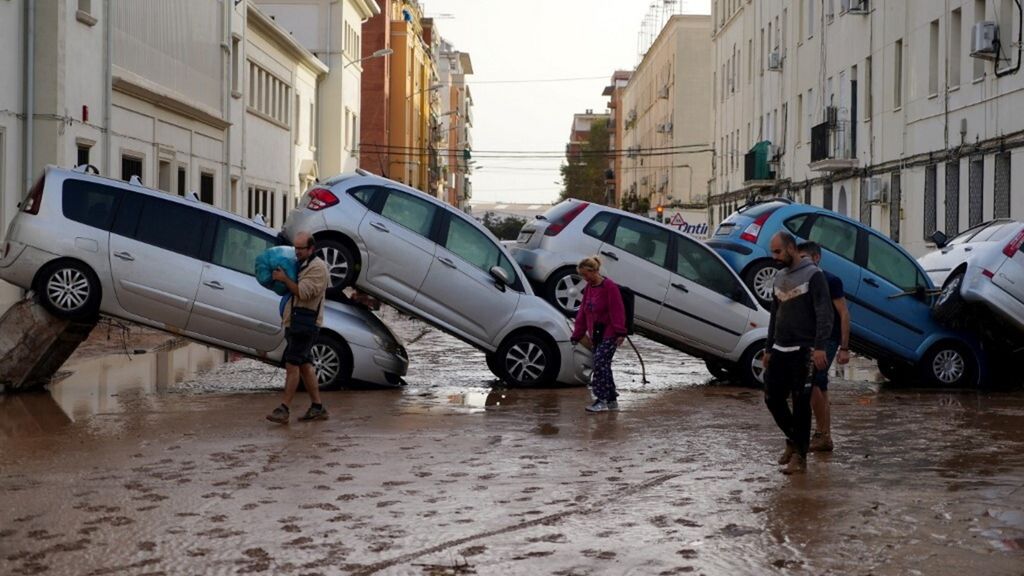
{"points": [[89, 245], [434, 262], [687, 297], [984, 266]]}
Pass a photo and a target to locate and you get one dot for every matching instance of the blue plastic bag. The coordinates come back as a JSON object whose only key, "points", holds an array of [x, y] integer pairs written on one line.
{"points": [[282, 257]]}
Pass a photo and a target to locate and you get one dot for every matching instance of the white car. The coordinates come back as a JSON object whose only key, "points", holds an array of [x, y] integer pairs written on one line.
{"points": [[89, 245], [984, 266], [687, 297], [437, 263]]}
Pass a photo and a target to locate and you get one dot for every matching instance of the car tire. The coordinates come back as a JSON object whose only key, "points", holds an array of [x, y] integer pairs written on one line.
{"points": [[526, 359], [949, 306], [751, 366], [332, 361], [341, 263], [719, 370], [564, 290], [69, 289], [949, 364], [759, 278]]}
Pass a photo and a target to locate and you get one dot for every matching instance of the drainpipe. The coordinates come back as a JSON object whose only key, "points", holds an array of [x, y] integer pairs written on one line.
{"points": [[227, 88], [30, 84], [108, 88]]}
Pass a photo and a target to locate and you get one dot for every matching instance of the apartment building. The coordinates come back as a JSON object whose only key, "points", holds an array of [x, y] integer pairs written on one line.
{"points": [[896, 113], [617, 128], [667, 135], [455, 125]]}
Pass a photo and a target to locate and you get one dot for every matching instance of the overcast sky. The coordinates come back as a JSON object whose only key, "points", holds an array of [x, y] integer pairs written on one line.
{"points": [[511, 42]]}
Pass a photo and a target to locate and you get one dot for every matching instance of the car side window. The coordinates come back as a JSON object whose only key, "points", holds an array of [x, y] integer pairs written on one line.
{"points": [[888, 262], [642, 239], [598, 225], [365, 195], [237, 246], [414, 213], [836, 236], [90, 203], [795, 223], [470, 244], [171, 226], [697, 264]]}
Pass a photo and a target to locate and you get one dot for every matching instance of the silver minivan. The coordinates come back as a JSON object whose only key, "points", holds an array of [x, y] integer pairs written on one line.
{"points": [[89, 245]]}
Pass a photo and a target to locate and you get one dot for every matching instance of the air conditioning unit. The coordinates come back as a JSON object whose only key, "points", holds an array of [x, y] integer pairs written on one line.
{"points": [[854, 6], [878, 191], [984, 39], [663, 92], [774, 60]]}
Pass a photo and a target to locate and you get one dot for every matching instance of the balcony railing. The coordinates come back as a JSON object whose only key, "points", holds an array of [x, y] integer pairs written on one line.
{"points": [[757, 166], [832, 147]]}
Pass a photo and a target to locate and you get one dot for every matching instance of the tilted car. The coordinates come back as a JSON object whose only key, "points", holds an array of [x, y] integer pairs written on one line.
{"points": [[687, 297], [981, 266], [432, 261], [90, 245], [888, 293]]}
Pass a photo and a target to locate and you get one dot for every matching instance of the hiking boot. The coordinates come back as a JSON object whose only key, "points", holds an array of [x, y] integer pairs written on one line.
{"points": [[787, 454], [279, 415], [314, 413], [613, 406], [797, 465], [821, 442], [598, 406]]}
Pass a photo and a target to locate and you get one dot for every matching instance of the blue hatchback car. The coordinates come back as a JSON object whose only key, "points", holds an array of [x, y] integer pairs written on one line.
{"points": [[888, 293]]}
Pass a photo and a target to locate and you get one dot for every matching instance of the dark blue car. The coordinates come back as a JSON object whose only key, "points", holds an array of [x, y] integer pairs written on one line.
{"points": [[888, 293]]}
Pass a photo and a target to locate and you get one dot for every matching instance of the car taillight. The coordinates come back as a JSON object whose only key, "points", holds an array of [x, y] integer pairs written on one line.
{"points": [[320, 198], [557, 226], [754, 229], [988, 273], [35, 197], [1014, 245]]}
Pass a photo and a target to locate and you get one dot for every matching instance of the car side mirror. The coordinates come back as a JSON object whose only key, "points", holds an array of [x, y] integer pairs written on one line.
{"points": [[939, 238], [500, 277]]}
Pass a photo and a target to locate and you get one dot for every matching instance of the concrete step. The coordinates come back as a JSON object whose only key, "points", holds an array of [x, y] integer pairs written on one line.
{"points": [[34, 344]]}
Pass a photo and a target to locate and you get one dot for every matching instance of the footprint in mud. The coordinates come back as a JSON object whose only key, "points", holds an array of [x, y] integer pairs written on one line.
{"points": [[292, 528], [220, 533], [391, 483], [325, 506], [556, 538], [300, 541], [688, 553], [110, 521], [146, 508], [147, 546], [423, 474], [473, 551], [488, 476], [42, 535], [660, 521], [599, 554], [250, 506], [387, 503], [256, 560], [736, 531], [346, 497], [679, 570], [687, 523]]}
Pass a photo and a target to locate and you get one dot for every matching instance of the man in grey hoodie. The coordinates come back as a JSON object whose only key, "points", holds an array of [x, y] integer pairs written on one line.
{"points": [[800, 325]]}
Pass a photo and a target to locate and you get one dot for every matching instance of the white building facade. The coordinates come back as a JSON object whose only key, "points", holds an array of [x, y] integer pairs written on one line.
{"points": [[873, 108]]}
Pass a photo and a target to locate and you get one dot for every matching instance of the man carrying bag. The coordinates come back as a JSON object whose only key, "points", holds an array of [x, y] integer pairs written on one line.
{"points": [[303, 315]]}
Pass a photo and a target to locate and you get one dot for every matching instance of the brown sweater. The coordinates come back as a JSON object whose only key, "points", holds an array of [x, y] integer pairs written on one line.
{"points": [[313, 282]]}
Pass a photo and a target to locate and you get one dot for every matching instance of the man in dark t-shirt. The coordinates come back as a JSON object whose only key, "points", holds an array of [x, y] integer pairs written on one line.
{"points": [[838, 348]]}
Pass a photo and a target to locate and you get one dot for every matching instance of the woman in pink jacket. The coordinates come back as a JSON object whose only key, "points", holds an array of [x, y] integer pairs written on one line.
{"points": [[602, 320]]}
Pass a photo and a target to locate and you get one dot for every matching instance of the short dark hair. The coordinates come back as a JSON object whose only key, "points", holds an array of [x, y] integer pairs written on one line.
{"points": [[786, 238], [810, 247]]}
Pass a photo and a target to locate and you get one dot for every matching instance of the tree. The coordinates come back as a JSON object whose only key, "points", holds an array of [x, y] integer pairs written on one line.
{"points": [[506, 228], [584, 175]]}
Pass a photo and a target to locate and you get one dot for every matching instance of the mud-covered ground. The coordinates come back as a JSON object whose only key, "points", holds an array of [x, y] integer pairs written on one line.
{"points": [[163, 464]]}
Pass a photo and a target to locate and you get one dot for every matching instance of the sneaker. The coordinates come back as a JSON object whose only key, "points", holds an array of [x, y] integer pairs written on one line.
{"points": [[787, 454], [821, 442], [598, 406], [613, 406], [279, 415], [797, 465], [314, 413]]}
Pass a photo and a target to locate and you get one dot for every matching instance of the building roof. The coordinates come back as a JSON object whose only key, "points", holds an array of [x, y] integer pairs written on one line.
{"points": [[284, 38]]}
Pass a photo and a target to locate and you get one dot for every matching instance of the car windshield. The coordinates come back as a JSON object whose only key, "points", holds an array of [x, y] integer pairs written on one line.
{"points": [[555, 213], [966, 235]]}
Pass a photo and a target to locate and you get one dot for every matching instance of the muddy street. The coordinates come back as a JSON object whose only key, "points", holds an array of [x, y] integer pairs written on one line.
{"points": [[163, 464]]}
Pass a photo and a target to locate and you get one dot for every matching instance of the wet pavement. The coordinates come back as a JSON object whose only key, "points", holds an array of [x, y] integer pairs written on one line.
{"points": [[163, 464]]}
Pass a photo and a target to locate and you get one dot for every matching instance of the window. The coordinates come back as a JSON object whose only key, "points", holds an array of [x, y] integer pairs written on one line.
{"points": [[952, 197], [236, 67], [979, 16], [364, 195], [130, 166], [897, 78], [955, 56], [206, 187], [890, 263], [869, 93], [642, 240], [298, 119], [598, 225], [810, 18], [750, 60], [975, 191], [171, 226], [933, 58], [1008, 15], [930, 200], [90, 203], [354, 144], [182, 181], [1001, 192], [312, 126], [83, 155], [414, 213], [164, 176], [799, 117], [835, 235], [697, 264], [269, 96], [259, 201], [236, 246]]}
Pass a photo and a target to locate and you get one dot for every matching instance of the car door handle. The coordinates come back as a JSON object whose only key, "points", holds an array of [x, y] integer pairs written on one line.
{"points": [[446, 261], [124, 256], [214, 284], [380, 226], [610, 254], [968, 249], [679, 286], [871, 282]]}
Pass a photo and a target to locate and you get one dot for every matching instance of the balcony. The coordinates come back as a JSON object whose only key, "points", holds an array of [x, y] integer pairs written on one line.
{"points": [[832, 147], [758, 171]]}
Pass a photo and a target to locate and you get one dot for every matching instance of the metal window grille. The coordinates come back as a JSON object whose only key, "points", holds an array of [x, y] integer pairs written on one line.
{"points": [[930, 200], [895, 194], [952, 198], [1001, 196], [976, 191]]}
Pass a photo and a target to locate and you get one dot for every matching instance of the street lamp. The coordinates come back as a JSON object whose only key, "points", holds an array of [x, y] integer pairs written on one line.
{"points": [[378, 54]]}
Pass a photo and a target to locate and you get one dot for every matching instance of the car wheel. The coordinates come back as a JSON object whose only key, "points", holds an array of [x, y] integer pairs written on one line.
{"points": [[69, 289], [760, 278], [949, 364], [718, 369], [752, 365], [332, 361], [889, 370], [526, 360], [340, 262], [949, 306], [564, 289]]}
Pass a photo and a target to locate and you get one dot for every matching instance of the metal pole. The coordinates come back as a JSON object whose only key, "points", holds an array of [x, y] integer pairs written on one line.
{"points": [[30, 83]]}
